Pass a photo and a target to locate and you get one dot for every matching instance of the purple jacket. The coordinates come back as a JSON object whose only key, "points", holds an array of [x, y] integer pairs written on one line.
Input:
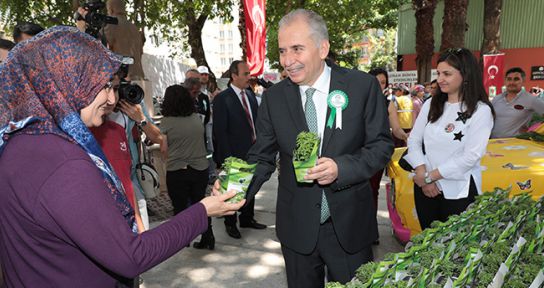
{"points": [[59, 226]]}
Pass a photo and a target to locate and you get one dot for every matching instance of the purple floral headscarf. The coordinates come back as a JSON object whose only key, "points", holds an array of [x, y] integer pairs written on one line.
{"points": [[46, 81]]}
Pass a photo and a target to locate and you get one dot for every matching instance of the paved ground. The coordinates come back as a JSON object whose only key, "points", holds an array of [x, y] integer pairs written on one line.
{"points": [[253, 261]]}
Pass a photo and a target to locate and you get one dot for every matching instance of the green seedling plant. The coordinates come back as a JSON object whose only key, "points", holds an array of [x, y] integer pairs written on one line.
{"points": [[305, 154], [236, 175]]}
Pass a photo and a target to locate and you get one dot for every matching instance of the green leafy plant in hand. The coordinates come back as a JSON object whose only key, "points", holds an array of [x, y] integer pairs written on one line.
{"points": [[306, 141], [305, 154], [236, 175]]}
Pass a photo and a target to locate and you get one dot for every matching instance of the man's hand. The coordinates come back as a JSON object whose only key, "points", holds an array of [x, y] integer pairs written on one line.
{"points": [[430, 190], [133, 111], [325, 172]]}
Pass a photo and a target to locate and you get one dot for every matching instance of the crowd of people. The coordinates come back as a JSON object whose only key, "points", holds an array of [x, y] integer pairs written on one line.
{"points": [[65, 120]]}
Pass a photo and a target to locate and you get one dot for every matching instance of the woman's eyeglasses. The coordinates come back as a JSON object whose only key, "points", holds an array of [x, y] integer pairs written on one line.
{"points": [[108, 85], [111, 85]]}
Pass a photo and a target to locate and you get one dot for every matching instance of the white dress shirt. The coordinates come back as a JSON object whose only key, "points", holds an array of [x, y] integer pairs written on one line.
{"points": [[322, 85], [239, 94], [455, 160]]}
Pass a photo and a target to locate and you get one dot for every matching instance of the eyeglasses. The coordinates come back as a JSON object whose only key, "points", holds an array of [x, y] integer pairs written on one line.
{"points": [[108, 85], [111, 85]]}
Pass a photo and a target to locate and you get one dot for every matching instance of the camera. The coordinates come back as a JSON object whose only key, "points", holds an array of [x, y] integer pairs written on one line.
{"points": [[128, 91], [265, 83], [95, 20]]}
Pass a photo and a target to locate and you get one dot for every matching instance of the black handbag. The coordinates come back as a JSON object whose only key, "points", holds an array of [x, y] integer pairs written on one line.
{"points": [[404, 164]]}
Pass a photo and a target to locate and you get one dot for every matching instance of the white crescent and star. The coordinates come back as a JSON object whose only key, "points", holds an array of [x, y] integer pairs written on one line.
{"points": [[491, 68]]}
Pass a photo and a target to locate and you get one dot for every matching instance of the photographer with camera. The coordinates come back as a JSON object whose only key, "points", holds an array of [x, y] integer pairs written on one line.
{"points": [[131, 114], [123, 38]]}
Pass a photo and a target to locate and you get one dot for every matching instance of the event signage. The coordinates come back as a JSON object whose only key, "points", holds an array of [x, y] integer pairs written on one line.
{"points": [[406, 78], [537, 73], [254, 12]]}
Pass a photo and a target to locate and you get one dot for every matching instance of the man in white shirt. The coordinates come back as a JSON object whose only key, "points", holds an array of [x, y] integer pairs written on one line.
{"points": [[515, 107], [329, 224]]}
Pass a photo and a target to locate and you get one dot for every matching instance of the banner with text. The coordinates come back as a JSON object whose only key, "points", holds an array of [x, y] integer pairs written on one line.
{"points": [[406, 78]]}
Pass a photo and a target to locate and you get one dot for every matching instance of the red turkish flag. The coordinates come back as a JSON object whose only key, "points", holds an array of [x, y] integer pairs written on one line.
{"points": [[254, 11], [493, 74]]}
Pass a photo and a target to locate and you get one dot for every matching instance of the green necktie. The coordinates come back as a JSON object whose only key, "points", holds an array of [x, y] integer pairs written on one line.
{"points": [[311, 120]]}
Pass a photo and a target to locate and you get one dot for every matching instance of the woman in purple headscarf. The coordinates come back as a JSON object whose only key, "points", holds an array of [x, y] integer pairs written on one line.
{"points": [[64, 217]]}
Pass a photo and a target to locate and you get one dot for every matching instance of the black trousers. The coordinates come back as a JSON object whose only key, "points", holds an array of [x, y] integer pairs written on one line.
{"points": [[246, 214], [308, 270], [439, 208], [186, 186]]}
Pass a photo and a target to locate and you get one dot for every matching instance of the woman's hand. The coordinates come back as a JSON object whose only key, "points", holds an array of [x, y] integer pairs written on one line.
{"points": [[430, 190], [216, 205], [419, 179]]}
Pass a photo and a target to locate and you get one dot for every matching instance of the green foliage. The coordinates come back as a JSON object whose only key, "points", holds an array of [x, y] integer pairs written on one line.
{"points": [[172, 20], [492, 225], [230, 160], [305, 144], [169, 20], [536, 118], [345, 20], [45, 13], [383, 53], [364, 272], [534, 136]]}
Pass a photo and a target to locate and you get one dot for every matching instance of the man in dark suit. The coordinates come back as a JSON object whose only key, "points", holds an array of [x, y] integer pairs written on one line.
{"points": [[331, 222], [234, 116]]}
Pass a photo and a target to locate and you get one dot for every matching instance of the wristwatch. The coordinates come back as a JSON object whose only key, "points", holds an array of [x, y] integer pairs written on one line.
{"points": [[428, 179], [142, 123]]}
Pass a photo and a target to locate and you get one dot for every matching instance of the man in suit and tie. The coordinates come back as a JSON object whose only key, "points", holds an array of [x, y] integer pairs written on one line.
{"points": [[234, 116], [330, 223]]}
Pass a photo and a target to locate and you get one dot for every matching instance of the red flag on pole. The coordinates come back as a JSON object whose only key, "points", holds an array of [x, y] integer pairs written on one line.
{"points": [[493, 74], [254, 11]]}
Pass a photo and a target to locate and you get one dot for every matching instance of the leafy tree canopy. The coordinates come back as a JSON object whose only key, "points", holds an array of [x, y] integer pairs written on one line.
{"points": [[45, 13], [172, 20], [383, 54], [169, 20], [345, 18]]}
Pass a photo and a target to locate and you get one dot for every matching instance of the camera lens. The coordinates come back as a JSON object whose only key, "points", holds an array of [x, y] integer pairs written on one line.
{"points": [[131, 92]]}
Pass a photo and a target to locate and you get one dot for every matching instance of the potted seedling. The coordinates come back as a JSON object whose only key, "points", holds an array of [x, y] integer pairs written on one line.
{"points": [[305, 154], [236, 175]]}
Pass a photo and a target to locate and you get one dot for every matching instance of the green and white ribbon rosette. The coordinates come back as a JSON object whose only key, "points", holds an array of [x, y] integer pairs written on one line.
{"points": [[236, 175], [337, 101], [305, 154]]}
